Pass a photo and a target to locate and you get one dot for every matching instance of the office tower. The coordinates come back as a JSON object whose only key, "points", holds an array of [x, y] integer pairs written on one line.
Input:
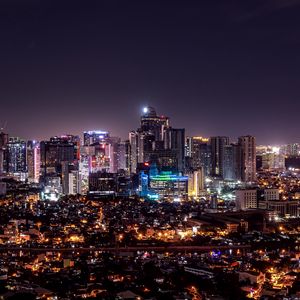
{"points": [[153, 124], [103, 182], [94, 136], [33, 161], [169, 186], [248, 161], [115, 155], [271, 160], [74, 183], [246, 199], [232, 162], [174, 139], [102, 151], [218, 144], [122, 156], [84, 169], [3, 143], [70, 178], [58, 150], [15, 156], [156, 141], [127, 157], [199, 151], [133, 151], [65, 177], [195, 183], [52, 188], [292, 149]]}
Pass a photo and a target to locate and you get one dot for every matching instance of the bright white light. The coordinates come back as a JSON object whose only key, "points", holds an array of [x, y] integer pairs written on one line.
{"points": [[275, 150], [145, 110]]}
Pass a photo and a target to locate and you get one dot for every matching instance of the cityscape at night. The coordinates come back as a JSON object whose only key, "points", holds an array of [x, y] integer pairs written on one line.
{"points": [[150, 150]]}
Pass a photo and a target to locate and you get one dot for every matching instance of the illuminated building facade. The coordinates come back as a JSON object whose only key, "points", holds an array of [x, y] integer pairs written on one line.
{"points": [[52, 189], [169, 186], [246, 199], [218, 144], [156, 141], [15, 156], [102, 182], [58, 150], [248, 150], [232, 162], [103, 151], [94, 136], [33, 161], [74, 186], [195, 183], [198, 149], [3, 143]]}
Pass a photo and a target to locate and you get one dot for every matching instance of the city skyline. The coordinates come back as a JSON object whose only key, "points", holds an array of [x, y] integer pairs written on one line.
{"points": [[105, 129], [149, 149], [216, 69]]}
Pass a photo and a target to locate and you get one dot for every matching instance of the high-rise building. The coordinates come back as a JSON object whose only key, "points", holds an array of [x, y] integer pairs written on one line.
{"points": [[3, 143], [122, 156], [156, 141], [292, 149], [174, 139], [133, 151], [195, 183], [58, 150], [102, 150], [15, 156], [94, 136], [199, 151], [248, 150], [52, 188], [218, 144], [246, 199], [74, 183], [33, 161], [153, 124], [272, 160], [232, 162]]}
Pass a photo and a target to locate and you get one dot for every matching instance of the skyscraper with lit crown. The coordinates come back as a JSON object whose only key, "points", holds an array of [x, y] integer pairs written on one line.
{"points": [[156, 141]]}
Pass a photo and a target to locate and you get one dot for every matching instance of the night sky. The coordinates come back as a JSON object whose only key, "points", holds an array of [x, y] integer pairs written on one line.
{"points": [[214, 67]]}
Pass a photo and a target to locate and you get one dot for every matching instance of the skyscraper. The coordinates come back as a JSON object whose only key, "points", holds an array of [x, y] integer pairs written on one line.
{"points": [[103, 151], [175, 141], [218, 144], [199, 151], [153, 124], [58, 150], [94, 136], [232, 162], [248, 151], [3, 143], [156, 141], [33, 161], [15, 156]]}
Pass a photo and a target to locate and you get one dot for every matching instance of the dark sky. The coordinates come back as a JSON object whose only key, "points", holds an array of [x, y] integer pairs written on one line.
{"points": [[214, 67]]}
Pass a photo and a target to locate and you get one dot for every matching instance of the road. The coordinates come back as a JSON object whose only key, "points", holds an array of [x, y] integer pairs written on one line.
{"points": [[129, 249]]}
